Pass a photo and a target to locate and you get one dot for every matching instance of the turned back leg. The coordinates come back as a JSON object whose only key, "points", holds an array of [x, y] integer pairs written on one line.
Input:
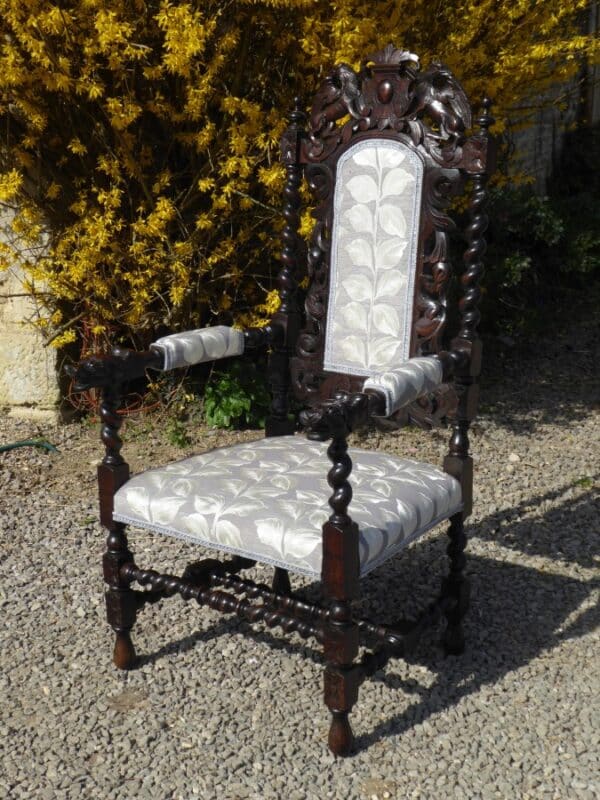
{"points": [[341, 569], [456, 588]]}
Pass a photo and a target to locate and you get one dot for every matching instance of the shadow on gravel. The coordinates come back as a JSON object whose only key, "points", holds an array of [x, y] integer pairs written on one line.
{"points": [[557, 383], [221, 627], [568, 532], [518, 612]]}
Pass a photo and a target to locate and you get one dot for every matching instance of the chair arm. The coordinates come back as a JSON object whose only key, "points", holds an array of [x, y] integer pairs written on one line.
{"points": [[119, 367], [196, 347], [405, 384], [168, 352], [344, 413]]}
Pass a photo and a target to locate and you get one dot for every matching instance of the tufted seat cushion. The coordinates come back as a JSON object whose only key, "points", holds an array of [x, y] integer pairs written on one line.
{"points": [[267, 500]]}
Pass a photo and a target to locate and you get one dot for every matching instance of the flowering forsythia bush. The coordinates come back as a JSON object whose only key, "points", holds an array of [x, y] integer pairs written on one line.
{"points": [[139, 138]]}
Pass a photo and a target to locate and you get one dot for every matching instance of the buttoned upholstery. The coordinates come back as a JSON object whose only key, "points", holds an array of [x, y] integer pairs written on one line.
{"points": [[267, 500]]}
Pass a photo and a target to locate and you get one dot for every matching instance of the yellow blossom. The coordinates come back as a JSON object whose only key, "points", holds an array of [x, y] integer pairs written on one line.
{"points": [[10, 183], [141, 140]]}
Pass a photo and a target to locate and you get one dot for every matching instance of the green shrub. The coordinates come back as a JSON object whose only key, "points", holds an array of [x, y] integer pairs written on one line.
{"points": [[236, 397], [537, 247]]}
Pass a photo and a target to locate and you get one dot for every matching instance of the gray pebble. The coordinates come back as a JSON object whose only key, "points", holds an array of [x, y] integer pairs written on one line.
{"points": [[213, 714]]}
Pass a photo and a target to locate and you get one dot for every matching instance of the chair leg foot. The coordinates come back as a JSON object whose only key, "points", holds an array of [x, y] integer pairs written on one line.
{"points": [[124, 655], [121, 604], [341, 738], [120, 614], [454, 640], [341, 693]]}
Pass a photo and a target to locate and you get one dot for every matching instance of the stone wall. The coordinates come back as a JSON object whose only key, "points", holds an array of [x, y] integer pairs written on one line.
{"points": [[28, 370], [537, 149]]}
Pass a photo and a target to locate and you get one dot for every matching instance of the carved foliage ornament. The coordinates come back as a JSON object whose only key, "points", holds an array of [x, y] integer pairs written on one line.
{"points": [[390, 92]]}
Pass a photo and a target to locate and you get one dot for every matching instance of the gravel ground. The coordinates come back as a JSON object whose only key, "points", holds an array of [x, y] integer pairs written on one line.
{"points": [[214, 714]]}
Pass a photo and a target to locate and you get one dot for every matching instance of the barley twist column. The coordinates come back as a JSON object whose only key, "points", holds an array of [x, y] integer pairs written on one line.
{"points": [[458, 462], [113, 472], [340, 573]]}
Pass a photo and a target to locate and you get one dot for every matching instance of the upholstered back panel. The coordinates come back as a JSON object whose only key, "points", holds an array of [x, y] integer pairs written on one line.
{"points": [[375, 234]]}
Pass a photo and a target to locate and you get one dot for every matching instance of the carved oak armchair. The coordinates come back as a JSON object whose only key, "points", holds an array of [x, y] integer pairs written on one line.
{"points": [[383, 151]]}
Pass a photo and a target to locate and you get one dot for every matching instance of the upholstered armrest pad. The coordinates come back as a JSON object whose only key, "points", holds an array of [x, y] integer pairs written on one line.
{"points": [[195, 347], [406, 383]]}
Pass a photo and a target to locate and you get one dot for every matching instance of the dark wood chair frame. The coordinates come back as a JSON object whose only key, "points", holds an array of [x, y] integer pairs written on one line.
{"points": [[388, 98]]}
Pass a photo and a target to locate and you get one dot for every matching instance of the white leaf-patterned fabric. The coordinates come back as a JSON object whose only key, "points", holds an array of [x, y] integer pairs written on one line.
{"points": [[377, 206], [403, 385], [195, 347], [267, 500]]}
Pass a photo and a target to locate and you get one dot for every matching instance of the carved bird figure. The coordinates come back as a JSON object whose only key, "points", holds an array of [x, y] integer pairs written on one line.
{"points": [[437, 92], [339, 95]]}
